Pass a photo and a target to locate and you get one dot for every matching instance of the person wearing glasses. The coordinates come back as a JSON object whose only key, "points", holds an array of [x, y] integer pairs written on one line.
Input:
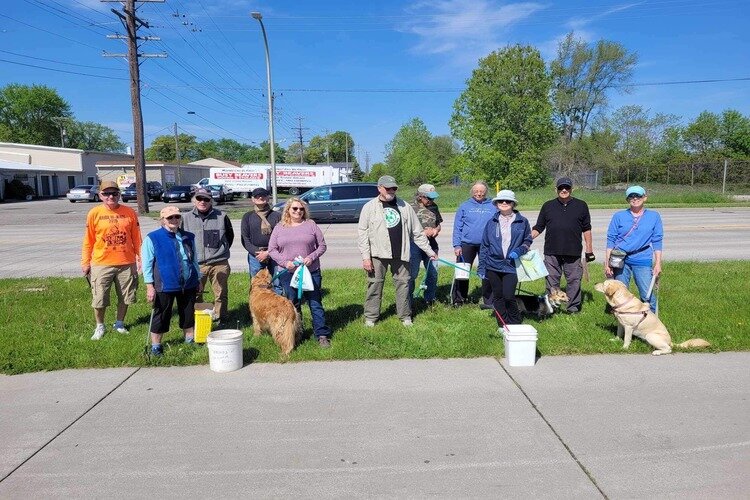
{"points": [[387, 226], [565, 218], [257, 225], [213, 239], [110, 255], [170, 271], [468, 225], [505, 238], [299, 236], [640, 234]]}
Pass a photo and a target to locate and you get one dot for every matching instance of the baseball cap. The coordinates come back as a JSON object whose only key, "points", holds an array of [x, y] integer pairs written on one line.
{"points": [[167, 211], [505, 194], [564, 181], [108, 185], [259, 192], [635, 190], [202, 192], [428, 191], [387, 181]]}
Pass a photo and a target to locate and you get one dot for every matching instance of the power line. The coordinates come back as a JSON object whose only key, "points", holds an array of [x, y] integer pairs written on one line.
{"points": [[63, 71], [61, 62]]}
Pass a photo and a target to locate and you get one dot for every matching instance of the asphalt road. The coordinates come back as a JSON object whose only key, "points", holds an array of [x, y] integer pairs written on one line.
{"points": [[43, 238]]}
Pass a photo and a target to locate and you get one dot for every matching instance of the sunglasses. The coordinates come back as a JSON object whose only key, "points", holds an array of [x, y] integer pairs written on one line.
{"points": [[390, 189], [297, 209], [563, 188], [201, 198], [500, 202], [635, 197], [111, 193], [174, 217]]}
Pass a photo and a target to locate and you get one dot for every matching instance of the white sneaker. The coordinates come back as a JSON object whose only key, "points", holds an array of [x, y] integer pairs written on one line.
{"points": [[369, 323], [120, 329], [407, 322], [98, 332]]}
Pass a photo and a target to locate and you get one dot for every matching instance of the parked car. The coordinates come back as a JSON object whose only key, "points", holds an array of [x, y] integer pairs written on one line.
{"points": [[178, 193], [337, 202], [84, 192], [153, 188], [218, 193]]}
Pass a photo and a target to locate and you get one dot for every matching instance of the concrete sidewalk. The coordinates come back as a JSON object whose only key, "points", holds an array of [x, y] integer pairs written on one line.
{"points": [[613, 426]]}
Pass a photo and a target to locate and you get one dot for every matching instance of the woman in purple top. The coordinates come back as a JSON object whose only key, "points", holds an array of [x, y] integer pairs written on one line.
{"points": [[298, 236]]}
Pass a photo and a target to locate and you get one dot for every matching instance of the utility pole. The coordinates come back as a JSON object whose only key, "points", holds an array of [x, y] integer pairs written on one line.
{"points": [[367, 160], [60, 121], [177, 155], [301, 142], [131, 22], [328, 154]]}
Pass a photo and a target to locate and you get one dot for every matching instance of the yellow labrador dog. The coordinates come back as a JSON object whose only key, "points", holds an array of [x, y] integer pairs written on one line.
{"points": [[635, 318]]}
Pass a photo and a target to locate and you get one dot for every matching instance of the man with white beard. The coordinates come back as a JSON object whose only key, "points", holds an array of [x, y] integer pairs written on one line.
{"points": [[387, 226]]}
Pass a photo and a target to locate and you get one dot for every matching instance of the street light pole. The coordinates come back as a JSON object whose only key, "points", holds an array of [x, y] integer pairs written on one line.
{"points": [[257, 16]]}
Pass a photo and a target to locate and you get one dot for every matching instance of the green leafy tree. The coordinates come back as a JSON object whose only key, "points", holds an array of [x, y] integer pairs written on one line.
{"points": [[223, 149], [504, 117], [28, 114], [408, 155], [262, 154], [376, 171], [582, 76], [703, 135], [163, 148], [93, 136], [735, 134]]}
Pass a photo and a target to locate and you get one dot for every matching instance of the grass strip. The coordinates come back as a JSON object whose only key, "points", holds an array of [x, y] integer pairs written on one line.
{"points": [[47, 322]]}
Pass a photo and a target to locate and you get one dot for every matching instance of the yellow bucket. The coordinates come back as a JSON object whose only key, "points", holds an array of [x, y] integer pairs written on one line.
{"points": [[202, 326]]}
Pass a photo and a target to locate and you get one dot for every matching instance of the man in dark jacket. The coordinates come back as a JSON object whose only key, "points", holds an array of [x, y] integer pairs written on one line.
{"points": [[256, 228], [213, 238], [565, 218]]}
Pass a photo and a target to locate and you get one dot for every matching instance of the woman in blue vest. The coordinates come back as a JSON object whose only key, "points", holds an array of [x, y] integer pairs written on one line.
{"points": [[171, 271]]}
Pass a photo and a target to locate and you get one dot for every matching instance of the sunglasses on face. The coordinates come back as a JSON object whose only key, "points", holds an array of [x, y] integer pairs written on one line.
{"points": [[563, 188], [297, 209], [107, 194], [390, 189], [634, 197], [203, 199], [174, 217], [506, 202]]}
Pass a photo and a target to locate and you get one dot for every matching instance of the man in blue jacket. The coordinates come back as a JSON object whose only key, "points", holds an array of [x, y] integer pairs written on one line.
{"points": [[468, 226]]}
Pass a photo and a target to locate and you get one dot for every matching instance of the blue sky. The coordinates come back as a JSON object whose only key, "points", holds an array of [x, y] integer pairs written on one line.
{"points": [[417, 54]]}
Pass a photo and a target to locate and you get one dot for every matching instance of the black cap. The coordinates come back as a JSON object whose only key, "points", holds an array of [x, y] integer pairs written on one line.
{"points": [[564, 181], [260, 192]]}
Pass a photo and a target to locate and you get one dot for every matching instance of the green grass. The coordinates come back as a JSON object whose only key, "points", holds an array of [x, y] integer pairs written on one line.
{"points": [[47, 323]]}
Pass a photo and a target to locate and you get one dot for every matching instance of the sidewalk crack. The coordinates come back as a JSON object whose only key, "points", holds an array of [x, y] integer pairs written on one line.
{"points": [[554, 431], [69, 425]]}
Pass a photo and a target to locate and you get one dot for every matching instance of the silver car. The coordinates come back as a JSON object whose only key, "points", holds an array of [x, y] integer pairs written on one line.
{"points": [[337, 202], [85, 192]]}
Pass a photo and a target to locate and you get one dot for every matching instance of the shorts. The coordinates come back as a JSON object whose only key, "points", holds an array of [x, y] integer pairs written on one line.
{"points": [[162, 314], [125, 279]]}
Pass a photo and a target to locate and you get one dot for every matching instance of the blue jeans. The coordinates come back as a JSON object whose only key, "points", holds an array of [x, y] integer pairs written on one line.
{"points": [[419, 257], [255, 266], [314, 301], [642, 276]]}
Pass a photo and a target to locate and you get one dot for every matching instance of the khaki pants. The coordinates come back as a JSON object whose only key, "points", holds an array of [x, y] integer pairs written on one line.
{"points": [[374, 295], [218, 274]]}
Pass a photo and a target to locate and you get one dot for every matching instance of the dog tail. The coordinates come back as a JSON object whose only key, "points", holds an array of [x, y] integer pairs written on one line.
{"points": [[693, 344]]}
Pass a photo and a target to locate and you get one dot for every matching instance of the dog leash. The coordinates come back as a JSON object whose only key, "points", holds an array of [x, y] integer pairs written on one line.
{"points": [[505, 325]]}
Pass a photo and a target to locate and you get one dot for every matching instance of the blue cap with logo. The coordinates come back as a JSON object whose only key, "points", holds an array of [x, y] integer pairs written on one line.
{"points": [[635, 190]]}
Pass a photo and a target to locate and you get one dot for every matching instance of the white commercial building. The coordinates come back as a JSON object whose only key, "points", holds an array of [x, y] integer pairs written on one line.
{"points": [[50, 171]]}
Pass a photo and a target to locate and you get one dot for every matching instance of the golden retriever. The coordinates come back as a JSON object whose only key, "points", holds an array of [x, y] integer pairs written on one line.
{"points": [[635, 318], [273, 313]]}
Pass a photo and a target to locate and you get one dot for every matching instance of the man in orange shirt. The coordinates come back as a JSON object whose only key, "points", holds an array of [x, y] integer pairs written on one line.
{"points": [[110, 254]]}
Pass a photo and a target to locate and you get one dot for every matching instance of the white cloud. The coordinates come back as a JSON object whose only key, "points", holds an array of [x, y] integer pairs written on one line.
{"points": [[465, 29], [577, 23]]}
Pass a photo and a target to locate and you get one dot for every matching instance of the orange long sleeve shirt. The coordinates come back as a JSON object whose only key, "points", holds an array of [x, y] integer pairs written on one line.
{"points": [[112, 237]]}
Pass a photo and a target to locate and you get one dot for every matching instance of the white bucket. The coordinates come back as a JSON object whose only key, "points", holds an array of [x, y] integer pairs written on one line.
{"points": [[520, 345], [225, 350], [461, 271]]}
